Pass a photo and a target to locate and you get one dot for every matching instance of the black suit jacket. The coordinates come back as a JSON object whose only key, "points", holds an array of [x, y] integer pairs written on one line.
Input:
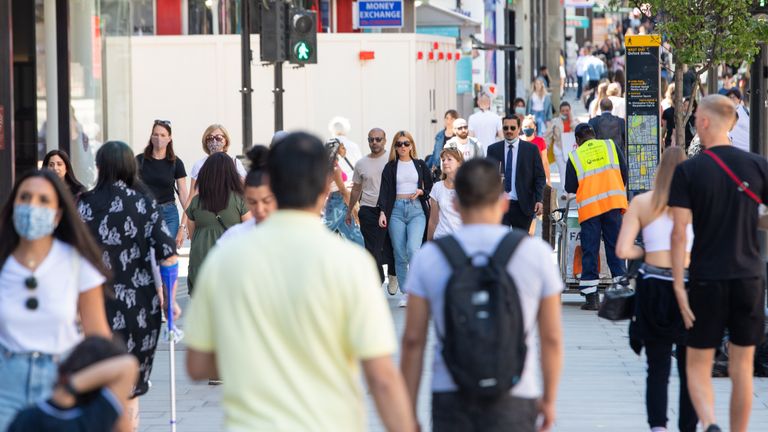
{"points": [[609, 126], [529, 174]]}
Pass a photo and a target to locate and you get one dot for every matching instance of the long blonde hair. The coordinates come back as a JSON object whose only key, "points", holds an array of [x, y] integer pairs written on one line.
{"points": [[672, 157], [398, 135], [602, 93]]}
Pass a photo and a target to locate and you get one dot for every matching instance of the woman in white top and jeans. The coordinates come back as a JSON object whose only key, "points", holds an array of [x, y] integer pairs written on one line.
{"points": [[404, 202], [443, 217], [657, 324], [51, 273]]}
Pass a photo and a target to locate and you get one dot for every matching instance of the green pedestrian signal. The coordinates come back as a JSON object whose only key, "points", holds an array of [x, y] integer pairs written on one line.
{"points": [[303, 51]]}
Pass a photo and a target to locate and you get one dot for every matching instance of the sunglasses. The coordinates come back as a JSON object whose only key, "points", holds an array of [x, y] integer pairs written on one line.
{"points": [[402, 144], [163, 122], [215, 138], [510, 128], [31, 284], [462, 127], [375, 139]]}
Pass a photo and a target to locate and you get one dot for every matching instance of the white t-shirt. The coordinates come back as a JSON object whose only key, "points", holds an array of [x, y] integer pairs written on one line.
{"points": [[740, 132], [532, 268], [486, 126], [537, 102], [619, 106], [237, 230], [450, 220], [407, 180], [199, 164], [51, 328]]}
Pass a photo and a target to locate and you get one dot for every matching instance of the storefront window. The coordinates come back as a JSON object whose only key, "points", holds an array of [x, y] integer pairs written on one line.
{"points": [[201, 13]]}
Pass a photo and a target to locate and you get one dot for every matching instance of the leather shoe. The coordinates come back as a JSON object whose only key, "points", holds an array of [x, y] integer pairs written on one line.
{"points": [[591, 302]]}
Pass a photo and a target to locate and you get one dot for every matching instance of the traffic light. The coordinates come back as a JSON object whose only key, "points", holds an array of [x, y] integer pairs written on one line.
{"points": [[272, 45], [759, 7], [302, 36]]}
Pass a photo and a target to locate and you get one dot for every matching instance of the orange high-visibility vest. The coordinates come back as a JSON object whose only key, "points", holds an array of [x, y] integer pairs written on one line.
{"points": [[601, 187]]}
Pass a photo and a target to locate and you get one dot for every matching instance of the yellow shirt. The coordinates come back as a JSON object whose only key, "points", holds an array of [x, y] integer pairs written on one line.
{"points": [[290, 309]]}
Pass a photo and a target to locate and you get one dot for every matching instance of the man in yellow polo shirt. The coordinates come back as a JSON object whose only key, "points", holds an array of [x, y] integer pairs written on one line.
{"points": [[286, 314], [597, 174]]}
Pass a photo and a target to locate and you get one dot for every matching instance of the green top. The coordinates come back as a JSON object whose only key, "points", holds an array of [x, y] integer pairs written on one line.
{"points": [[208, 229]]}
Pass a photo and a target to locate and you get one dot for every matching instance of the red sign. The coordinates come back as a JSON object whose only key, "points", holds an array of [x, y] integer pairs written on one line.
{"points": [[2, 127]]}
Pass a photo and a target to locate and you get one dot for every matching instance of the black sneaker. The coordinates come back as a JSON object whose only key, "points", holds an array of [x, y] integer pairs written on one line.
{"points": [[591, 302], [214, 382], [713, 428]]}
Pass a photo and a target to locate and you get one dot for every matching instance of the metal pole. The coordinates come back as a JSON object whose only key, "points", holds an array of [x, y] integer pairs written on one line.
{"points": [[62, 66], [246, 57], [278, 91], [510, 89], [7, 157], [757, 101]]}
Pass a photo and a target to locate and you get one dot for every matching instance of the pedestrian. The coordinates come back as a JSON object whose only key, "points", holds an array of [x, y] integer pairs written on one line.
{"points": [[441, 138], [58, 162], [539, 105], [668, 123], [339, 128], [519, 106], [517, 407], [90, 392], [51, 274], [215, 140], [485, 125], [544, 75], [669, 97], [258, 195], [124, 219], [309, 348], [469, 146], [657, 324], [599, 95], [443, 217], [620, 79], [366, 183], [727, 274], [613, 92], [163, 173], [561, 141], [404, 203], [529, 133], [609, 126], [218, 206], [594, 70], [523, 174], [740, 132], [597, 174], [337, 204], [581, 71]]}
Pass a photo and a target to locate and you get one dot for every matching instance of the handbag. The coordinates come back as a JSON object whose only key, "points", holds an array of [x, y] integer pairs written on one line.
{"points": [[619, 299], [762, 210]]}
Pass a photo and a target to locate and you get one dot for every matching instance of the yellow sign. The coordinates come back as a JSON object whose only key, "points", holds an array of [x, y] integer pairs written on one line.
{"points": [[642, 41]]}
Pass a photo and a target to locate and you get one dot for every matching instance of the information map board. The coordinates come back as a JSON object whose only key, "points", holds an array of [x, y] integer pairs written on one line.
{"points": [[642, 97]]}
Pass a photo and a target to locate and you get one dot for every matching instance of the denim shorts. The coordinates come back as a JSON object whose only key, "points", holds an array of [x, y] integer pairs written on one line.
{"points": [[24, 379]]}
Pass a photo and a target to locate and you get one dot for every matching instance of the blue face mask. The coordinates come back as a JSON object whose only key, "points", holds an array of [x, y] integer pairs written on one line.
{"points": [[33, 222], [520, 110], [528, 131], [563, 116]]}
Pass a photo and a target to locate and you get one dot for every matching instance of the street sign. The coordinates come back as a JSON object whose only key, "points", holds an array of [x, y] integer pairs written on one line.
{"points": [[302, 51], [575, 21], [579, 3], [380, 13]]}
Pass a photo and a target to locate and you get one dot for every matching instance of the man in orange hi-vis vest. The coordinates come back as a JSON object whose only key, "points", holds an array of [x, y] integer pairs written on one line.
{"points": [[597, 174]]}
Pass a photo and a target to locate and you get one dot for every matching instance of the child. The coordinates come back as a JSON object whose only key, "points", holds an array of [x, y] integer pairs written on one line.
{"points": [[90, 393]]}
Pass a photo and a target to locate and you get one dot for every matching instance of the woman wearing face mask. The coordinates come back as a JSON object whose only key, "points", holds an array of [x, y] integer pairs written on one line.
{"points": [[52, 273], [163, 173], [58, 162], [123, 217], [258, 195], [519, 105], [215, 140], [529, 134], [443, 217]]}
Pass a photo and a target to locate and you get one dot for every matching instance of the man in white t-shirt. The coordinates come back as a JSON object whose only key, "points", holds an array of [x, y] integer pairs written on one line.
{"points": [[482, 204], [468, 146], [485, 125], [740, 132]]}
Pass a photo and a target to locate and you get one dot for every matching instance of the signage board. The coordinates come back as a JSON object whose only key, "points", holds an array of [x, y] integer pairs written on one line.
{"points": [[380, 13], [575, 21]]}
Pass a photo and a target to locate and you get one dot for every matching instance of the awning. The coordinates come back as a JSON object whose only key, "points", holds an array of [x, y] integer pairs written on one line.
{"points": [[429, 15]]}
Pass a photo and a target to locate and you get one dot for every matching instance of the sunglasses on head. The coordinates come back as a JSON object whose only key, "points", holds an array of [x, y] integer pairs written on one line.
{"points": [[31, 284], [375, 139], [402, 144], [163, 122], [510, 128]]}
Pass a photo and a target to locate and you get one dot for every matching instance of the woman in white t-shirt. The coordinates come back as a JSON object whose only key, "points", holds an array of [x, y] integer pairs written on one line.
{"points": [[215, 140], [51, 274], [443, 218]]}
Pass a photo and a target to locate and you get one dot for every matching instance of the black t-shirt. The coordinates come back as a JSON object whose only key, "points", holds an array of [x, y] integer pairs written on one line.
{"points": [[669, 117], [724, 220], [160, 176], [100, 414]]}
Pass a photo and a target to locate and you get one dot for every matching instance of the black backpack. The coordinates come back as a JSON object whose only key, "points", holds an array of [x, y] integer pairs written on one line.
{"points": [[484, 342]]}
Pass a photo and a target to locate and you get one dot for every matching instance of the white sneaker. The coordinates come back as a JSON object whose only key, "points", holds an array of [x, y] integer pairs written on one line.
{"points": [[403, 301], [392, 286]]}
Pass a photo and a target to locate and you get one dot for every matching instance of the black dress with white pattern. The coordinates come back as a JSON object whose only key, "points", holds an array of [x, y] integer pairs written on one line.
{"points": [[126, 223]]}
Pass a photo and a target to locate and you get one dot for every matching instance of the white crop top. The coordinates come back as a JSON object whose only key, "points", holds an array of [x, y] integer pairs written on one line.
{"points": [[657, 234], [407, 180]]}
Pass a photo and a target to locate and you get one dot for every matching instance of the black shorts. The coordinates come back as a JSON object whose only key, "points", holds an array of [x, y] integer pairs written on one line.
{"points": [[452, 412], [735, 304]]}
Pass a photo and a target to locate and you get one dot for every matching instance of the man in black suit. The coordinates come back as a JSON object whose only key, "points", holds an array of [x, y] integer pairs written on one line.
{"points": [[523, 174], [609, 126]]}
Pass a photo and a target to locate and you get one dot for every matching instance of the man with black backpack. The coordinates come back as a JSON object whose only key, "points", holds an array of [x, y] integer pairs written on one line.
{"points": [[487, 288]]}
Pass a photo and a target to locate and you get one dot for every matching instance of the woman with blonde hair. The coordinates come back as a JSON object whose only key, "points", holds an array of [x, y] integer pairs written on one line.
{"points": [[657, 324], [443, 217], [539, 105], [404, 202], [602, 93]]}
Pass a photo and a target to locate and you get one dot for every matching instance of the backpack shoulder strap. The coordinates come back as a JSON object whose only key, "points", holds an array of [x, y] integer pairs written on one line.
{"points": [[453, 251], [507, 247]]}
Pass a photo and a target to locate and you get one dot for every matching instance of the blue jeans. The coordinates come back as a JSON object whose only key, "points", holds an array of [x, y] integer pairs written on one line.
{"points": [[24, 379], [406, 229], [541, 124], [171, 216], [607, 226], [335, 215]]}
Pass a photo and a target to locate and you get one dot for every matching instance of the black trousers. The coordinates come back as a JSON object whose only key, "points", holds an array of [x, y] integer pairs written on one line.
{"points": [[515, 218], [377, 240], [451, 412], [659, 356]]}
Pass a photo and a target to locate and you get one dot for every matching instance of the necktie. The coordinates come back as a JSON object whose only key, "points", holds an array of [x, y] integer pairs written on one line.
{"points": [[508, 170]]}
